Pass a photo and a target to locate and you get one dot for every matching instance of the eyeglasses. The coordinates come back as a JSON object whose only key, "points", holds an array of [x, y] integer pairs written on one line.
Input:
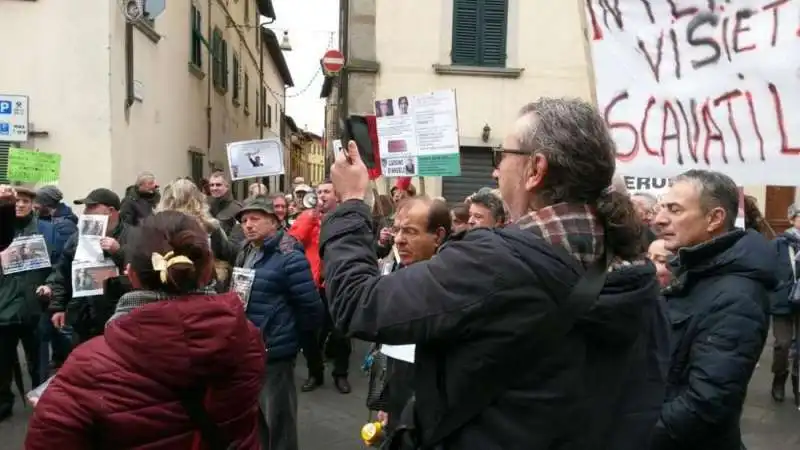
{"points": [[497, 154]]}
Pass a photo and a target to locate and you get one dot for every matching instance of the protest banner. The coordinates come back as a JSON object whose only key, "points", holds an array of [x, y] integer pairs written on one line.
{"points": [[655, 186], [700, 85], [259, 158], [30, 166], [418, 135]]}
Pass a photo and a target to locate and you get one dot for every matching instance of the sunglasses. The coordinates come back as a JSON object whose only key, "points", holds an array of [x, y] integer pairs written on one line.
{"points": [[498, 152]]}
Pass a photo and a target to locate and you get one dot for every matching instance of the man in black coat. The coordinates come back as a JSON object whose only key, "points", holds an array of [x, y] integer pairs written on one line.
{"points": [[88, 315], [7, 215], [718, 306], [492, 311]]}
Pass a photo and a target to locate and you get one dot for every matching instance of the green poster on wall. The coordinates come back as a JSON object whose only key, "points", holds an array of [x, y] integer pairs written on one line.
{"points": [[30, 166]]}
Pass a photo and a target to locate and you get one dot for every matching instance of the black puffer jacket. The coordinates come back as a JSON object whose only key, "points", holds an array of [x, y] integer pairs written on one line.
{"points": [[470, 309], [718, 308], [627, 335], [138, 206]]}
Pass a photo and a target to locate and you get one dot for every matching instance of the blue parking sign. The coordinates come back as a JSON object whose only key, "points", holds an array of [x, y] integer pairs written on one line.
{"points": [[6, 107], [5, 129]]}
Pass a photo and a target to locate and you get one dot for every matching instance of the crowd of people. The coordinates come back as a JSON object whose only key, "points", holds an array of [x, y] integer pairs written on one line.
{"points": [[555, 312]]}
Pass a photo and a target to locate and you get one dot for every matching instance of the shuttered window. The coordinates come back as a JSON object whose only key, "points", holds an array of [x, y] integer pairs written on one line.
{"points": [[476, 172], [4, 147], [196, 50], [479, 32]]}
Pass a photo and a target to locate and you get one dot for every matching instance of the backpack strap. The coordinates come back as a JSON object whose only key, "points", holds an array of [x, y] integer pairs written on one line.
{"points": [[581, 299]]}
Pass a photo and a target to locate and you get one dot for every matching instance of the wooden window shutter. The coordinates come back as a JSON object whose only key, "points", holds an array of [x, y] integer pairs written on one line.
{"points": [[494, 27], [466, 30]]}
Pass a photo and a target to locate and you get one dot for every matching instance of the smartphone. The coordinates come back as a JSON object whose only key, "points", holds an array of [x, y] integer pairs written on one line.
{"points": [[355, 128]]}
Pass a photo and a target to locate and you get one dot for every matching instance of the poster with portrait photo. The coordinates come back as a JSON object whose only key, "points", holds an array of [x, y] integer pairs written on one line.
{"points": [[24, 254], [423, 127], [399, 167], [91, 229], [88, 277], [242, 283], [259, 158], [384, 108]]}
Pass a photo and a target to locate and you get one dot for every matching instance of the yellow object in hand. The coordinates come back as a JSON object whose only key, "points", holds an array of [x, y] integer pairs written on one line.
{"points": [[372, 433]]}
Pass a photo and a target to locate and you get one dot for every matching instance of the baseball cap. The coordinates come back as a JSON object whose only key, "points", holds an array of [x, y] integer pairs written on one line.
{"points": [[256, 204], [100, 196]]}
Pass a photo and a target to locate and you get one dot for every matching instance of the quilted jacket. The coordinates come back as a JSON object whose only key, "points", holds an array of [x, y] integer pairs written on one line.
{"points": [[121, 390], [283, 299]]}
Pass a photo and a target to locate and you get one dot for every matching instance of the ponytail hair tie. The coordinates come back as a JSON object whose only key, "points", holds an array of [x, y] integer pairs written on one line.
{"points": [[162, 263]]}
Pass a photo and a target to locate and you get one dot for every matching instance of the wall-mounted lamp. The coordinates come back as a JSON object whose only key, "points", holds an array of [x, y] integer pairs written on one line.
{"points": [[487, 132], [285, 44]]}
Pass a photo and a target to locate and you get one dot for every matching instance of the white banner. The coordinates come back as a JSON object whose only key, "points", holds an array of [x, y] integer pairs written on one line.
{"points": [[699, 84]]}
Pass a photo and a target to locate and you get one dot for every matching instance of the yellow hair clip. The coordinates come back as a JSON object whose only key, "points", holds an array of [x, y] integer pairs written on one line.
{"points": [[163, 262]]}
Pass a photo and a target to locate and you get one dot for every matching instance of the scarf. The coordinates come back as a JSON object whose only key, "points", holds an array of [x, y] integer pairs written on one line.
{"points": [[135, 299], [571, 226]]}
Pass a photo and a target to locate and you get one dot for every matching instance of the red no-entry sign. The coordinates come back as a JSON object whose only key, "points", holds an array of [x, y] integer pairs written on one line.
{"points": [[332, 62]]}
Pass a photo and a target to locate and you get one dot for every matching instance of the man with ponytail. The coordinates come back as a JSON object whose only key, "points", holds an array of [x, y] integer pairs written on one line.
{"points": [[544, 334]]}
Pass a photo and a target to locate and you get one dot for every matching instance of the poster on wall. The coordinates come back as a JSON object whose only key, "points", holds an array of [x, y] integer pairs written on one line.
{"points": [[686, 87], [418, 135]]}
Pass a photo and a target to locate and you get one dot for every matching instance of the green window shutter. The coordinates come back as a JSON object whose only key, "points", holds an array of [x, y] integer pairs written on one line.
{"points": [[196, 38], [225, 65], [466, 39], [494, 26], [4, 148], [216, 44], [236, 86]]}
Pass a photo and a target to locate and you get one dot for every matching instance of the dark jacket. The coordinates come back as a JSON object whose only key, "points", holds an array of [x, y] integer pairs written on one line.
{"points": [[65, 224], [718, 306], [225, 210], [7, 214], [88, 313], [627, 334], [137, 206], [283, 298], [470, 309], [63, 211], [18, 300], [779, 300]]}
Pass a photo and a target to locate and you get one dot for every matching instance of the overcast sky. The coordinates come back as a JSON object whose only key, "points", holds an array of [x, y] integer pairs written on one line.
{"points": [[310, 24]]}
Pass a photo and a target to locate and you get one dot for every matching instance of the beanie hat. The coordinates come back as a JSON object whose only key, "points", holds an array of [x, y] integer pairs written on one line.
{"points": [[49, 196]]}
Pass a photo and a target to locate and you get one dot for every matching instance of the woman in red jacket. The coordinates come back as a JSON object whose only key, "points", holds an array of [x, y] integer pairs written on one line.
{"points": [[172, 346]]}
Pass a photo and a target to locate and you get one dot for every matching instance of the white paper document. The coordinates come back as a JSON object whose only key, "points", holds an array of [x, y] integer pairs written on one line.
{"points": [[91, 228], [402, 352], [25, 253], [242, 283], [88, 277]]}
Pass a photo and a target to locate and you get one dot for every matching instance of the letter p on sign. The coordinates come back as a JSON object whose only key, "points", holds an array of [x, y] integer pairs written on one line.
{"points": [[5, 107]]}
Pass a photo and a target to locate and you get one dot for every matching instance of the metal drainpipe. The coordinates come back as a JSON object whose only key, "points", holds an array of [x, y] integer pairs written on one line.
{"points": [[129, 57], [344, 77], [208, 86]]}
